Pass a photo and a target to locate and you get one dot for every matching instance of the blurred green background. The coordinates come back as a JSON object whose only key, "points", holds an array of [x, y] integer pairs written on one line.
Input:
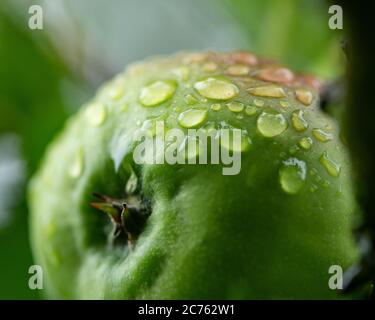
{"points": [[45, 75]]}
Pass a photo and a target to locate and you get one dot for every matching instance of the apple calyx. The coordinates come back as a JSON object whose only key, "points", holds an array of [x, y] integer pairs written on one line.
{"points": [[128, 216]]}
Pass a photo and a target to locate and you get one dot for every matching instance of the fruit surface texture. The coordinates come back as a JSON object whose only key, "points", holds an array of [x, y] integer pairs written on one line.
{"points": [[270, 231]]}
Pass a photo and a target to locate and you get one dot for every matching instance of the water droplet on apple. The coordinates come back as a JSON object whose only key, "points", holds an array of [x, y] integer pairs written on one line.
{"points": [[243, 57], [157, 92], [293, 149], [304, 96], [251, 110], [321, 135], [192, 118], [190, 99], [149, 126], [76, 167], [96, 113], [292, 175], [235, 106], [238, 70], [258, 103], [271, 125], [214, 88], [132, 183], [298, 122], [275, 74], [216, 106], [326, 184], [331, 167], [284, 104], [182, 73], [267, 91], [116, 92], [305, 143], [229, 141]]}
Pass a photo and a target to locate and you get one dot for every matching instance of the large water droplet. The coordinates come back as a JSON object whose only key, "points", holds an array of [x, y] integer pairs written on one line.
{"points": [[298, 122], [321, 135], [292, 175], [306, 143], [304, 96], [214, 88], [235, 106], [192, 118], [157, 92], [76, 167], [268, 91], [270, 124], [95, 114], [331, 167]]}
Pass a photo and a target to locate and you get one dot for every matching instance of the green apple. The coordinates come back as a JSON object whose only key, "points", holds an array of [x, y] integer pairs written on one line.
{"points": [[270, 228]]}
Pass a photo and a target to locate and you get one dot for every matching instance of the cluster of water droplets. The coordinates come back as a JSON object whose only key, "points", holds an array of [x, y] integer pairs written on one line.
{"points": [[223, 92]]}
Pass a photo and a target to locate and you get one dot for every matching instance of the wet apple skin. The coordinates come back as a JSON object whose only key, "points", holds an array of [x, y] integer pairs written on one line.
{"points": [[209, 236]]}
